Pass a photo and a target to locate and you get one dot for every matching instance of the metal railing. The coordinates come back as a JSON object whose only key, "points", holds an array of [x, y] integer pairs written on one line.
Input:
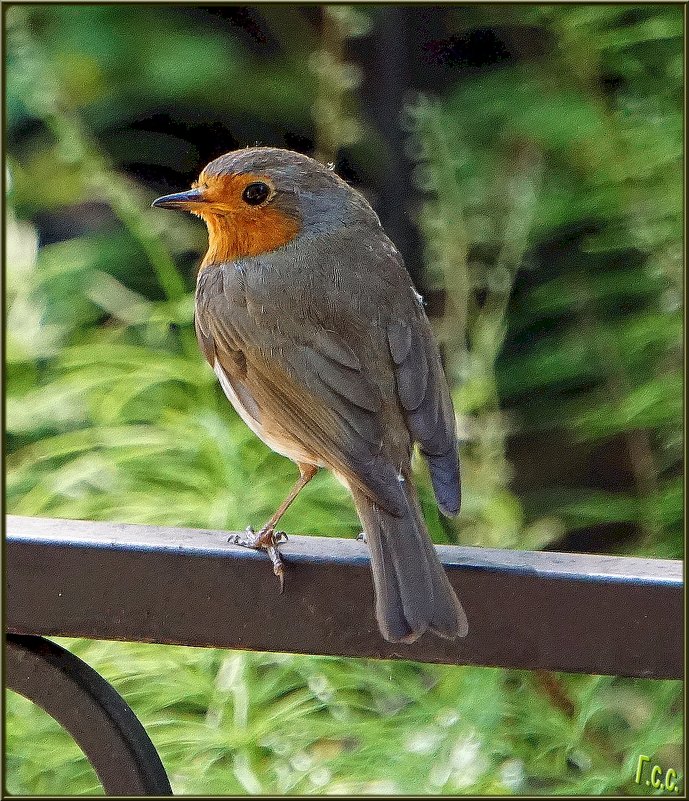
{"points": [[554, 611]]}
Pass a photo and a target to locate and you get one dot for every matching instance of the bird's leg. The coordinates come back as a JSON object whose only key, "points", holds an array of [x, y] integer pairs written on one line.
{"points": [[266, 539], [306, 473]]}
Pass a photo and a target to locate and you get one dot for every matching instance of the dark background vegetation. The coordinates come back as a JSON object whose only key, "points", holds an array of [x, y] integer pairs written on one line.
{"points": [[527, 160]]}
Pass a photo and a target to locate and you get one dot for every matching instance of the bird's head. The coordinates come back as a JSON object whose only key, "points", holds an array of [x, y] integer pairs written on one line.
{"points": [[259, 199]]}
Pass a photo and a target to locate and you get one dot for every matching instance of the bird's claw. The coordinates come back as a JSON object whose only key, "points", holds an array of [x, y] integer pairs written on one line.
{"points": [[278, 567], [265, 540]]}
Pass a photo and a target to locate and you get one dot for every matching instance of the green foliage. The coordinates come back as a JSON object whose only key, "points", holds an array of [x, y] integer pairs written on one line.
{"points": [[551, 220], [534, 159], [234, 723]]}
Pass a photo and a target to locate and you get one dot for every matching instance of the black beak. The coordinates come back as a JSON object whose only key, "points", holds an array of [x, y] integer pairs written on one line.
{"points": [[179, 199]]}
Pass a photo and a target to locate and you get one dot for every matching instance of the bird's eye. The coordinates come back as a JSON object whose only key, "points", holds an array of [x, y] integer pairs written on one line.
{"points": [[256, 193]]}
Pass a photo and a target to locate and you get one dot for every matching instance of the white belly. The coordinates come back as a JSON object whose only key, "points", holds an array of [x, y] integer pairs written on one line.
{"points": [[289, 449]]}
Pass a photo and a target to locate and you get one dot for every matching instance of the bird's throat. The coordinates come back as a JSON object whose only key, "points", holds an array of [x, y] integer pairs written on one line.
{"points": [[238, 236]]}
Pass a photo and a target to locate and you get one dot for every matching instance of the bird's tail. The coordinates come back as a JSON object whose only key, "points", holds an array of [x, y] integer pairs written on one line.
{"points": [[413, 593]]}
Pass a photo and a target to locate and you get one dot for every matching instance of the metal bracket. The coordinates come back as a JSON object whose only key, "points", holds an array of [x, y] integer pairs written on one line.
{"points": [[91, 710]]}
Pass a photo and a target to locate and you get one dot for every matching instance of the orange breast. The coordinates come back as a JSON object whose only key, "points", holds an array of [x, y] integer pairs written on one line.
{"points": [[243, 233]]}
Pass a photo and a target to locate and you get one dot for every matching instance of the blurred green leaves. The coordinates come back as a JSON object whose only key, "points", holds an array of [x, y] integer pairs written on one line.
{"points": [[123, 69], [537, 165]]}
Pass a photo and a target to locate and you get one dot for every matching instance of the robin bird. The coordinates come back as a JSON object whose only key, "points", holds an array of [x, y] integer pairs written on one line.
{"points": [[307, 315]]}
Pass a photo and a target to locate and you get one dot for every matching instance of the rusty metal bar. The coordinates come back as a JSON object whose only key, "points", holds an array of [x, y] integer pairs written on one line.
{"points": [[568, 612]]}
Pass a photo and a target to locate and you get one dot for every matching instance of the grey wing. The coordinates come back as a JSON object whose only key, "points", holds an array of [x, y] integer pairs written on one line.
{"points": [[425, 397]]}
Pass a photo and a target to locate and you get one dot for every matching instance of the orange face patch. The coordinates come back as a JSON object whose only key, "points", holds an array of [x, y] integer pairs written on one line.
{"points": [[237, 229]]}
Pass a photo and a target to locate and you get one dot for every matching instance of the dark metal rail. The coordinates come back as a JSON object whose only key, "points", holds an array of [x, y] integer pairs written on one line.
{"points": [[91, 710], [566, 612]]}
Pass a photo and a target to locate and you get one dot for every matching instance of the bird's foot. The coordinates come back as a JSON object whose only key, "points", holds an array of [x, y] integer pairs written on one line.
{"points": [[261, 540], [361, 537], [265, 540]]}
